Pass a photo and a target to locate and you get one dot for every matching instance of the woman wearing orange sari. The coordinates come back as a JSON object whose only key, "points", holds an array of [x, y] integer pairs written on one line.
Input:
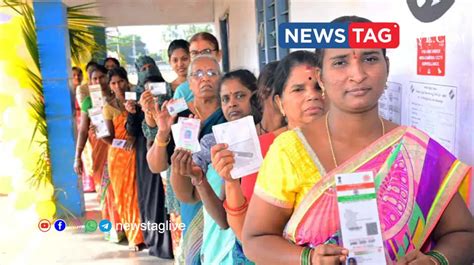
{"points": [[294, 212], [121, 159]]}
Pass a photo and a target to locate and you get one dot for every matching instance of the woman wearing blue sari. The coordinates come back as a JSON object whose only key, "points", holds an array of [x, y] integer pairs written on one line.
{"points": [[203, 78]]}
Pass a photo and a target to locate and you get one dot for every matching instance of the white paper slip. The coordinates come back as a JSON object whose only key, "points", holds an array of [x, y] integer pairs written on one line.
{"points": [[177, 106], [157, 88], [241, 136], [186, 133], [119, 143], [359, 217], [97, 119], [130, 95], [95, 92]]}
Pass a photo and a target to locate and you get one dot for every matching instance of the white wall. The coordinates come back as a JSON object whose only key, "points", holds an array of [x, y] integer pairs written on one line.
{"points": [[242, 32], [456, 24], [150, 12]]}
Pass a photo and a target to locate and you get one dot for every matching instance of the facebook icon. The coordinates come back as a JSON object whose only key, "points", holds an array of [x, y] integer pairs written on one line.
{"points": [[60, 225]]}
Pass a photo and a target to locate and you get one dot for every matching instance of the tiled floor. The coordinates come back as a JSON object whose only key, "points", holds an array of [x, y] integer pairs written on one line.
{"points": [[22, 243]]}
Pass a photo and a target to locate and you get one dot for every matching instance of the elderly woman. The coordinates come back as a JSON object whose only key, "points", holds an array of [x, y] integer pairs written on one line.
{"points": [[202, 43], [294, 212], [203, 79]]}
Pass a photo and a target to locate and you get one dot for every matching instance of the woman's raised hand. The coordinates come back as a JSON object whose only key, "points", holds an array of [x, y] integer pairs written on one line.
{"points": [[223, 161]]}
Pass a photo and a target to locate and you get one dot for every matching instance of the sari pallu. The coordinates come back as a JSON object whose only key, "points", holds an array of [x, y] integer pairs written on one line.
{"points": [[416, 185], [121, 165]]}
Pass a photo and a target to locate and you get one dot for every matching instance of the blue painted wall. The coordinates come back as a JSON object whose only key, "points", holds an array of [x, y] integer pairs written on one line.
{"points": [[55, 64]]}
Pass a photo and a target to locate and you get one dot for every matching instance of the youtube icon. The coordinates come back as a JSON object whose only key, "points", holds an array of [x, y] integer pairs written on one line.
{"points": [[44, 225]]}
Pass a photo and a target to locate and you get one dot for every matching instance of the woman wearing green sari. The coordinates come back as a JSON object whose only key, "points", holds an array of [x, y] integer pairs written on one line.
{"points": [[423, 217]]}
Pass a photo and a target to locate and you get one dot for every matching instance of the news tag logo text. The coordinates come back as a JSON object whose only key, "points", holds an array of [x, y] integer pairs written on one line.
{"points": [[360, 35]]}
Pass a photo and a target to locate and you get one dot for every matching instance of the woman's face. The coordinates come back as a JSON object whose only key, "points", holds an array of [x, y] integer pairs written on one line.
{"points": [[200, 46], [235, 100], [301, 100], [99, 78], [204, 78], [110, 64], [118, 85], [354, 79], [76, 78], [179, 62]]}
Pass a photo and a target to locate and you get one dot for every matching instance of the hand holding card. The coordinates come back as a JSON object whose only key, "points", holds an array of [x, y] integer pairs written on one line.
{"points": [[130, 95], [97, 119], [177, 106], [157, 89], [119, 143], [186, 133], [241, 137]]}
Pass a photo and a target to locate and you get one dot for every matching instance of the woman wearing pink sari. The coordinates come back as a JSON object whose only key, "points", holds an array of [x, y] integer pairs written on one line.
{"points": [[423, 217]]}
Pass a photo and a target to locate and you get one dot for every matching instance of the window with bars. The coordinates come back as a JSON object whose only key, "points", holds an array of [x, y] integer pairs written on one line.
{"points": [[270, 13]]}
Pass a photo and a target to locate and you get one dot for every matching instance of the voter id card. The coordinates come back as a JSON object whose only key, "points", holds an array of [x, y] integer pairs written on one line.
{"points": [[177, 106], [130, 95], [157, 89], [359, 218], [185, 134], [119, 143]]}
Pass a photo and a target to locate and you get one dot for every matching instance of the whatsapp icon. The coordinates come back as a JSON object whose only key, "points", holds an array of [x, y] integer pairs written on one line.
{"points": [[90, 226]]}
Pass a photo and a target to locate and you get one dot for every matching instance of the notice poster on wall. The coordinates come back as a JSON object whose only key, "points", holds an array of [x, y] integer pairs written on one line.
{"points": [[431, 56], [433, 109], [390, 103]]}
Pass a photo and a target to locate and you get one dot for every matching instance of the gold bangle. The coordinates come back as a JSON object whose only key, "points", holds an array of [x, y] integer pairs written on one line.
{"points": [[162, 144]]}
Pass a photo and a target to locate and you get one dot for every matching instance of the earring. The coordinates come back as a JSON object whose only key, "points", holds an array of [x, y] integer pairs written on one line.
{"points": [[323, 94]]}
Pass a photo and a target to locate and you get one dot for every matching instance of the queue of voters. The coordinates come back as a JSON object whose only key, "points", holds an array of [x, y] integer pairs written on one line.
{"points": [[293, 166]]}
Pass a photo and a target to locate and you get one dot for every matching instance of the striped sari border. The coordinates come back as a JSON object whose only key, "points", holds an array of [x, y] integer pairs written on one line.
{"points": [[349, 166], [448, 189]]}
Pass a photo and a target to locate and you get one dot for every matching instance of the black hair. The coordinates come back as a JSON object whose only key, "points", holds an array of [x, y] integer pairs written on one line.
{"points": [[283, 70], [248, 80], [75, 68], [343, 19], [154, 79], [265, 82], [207, 37], [178, 44], [99, 68], [120, 71], [116, 62], [91, 63]]}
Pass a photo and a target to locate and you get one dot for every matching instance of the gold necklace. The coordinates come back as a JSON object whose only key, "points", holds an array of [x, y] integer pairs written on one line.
{"points": [[330, 141]]}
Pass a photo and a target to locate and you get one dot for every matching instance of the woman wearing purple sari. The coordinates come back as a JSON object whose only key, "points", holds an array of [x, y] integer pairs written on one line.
{"points": [[420, 186]]}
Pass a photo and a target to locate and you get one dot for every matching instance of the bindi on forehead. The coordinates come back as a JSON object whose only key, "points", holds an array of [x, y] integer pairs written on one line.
{"points": [[309, 70]]}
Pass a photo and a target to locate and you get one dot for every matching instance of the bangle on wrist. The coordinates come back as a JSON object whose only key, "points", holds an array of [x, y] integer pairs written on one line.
{"points": [[305, 258], [240, 209], [439, 257], [160, 143]]}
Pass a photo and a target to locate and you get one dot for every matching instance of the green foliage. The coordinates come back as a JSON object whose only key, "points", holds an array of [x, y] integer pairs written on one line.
{"points": [[82, 44], [81, 32]]}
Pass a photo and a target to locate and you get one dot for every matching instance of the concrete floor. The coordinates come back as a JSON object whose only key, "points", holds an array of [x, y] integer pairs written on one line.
{"points": [[21, 242]]}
